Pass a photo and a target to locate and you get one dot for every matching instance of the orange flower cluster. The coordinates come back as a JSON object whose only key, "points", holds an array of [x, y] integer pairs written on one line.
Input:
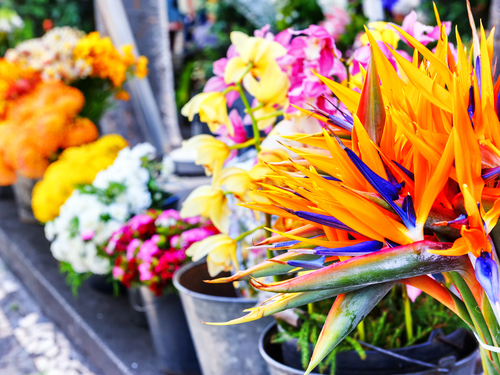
{"points": [[39, 124], [14, 82], [107, 62]]}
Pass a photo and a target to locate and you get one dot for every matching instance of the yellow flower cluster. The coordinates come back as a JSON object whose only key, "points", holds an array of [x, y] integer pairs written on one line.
{"points": [[106, 61], [75, 166]]}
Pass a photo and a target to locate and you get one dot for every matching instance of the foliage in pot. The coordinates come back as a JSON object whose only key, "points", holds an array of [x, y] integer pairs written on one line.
{"points": [[387, 327]]}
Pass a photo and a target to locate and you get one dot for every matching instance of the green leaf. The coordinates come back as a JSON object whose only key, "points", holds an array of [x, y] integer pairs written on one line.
{"points": [[348, 310]]}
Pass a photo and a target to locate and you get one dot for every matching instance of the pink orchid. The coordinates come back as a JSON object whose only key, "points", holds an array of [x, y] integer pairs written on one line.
{"points": [[240, 134], [423, 33], [145, 272], [217, 82]]}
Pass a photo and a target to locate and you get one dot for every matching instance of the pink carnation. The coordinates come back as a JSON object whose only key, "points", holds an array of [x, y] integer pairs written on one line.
{"points": [[138, 221], [145, 272], [147, 250], [131, 247], [87, 235], [118, 272]]}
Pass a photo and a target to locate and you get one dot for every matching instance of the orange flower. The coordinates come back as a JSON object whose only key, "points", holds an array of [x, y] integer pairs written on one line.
{"points": [[37, 126]]}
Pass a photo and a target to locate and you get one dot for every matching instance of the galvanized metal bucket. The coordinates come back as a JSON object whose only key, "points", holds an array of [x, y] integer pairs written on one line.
{"points": [[222, 350], [170, 333], [23, 191], [272, 354]]}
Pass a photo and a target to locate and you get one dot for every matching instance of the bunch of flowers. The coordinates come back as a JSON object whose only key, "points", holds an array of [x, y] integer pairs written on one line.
{"points": [[150, 247], [75, 166], [37, 126], [410, 190], [52, 55], [95, 211], [106, 61], [68, 54], [276, 72]]}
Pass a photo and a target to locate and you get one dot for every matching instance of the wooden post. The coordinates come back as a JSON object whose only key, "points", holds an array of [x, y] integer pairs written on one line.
{"points": [[158, 127]]}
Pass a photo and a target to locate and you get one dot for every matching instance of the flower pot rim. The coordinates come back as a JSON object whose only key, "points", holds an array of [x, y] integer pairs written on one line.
{"points": [[271, 361], [181, 288]]}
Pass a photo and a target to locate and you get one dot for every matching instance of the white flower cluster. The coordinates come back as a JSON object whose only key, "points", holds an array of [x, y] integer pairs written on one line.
{"points": [[85, 223], [52, 54], [10, 21]]}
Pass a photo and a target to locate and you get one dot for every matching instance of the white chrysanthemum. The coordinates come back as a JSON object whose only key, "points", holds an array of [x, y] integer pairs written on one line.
{"points": [[86, 213]]}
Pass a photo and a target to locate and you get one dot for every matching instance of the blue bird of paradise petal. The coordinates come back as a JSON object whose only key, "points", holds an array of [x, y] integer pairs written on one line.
{"points": [[405, 171], [409, 209], [308, 264], [490, 174], [486, 271], [361, 248], [328, 221], [472, 104], [386, 190]]}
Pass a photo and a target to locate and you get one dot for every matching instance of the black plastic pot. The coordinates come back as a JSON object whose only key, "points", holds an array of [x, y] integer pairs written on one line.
{"points": [[457, 352], [170, 333], [221, 350]]}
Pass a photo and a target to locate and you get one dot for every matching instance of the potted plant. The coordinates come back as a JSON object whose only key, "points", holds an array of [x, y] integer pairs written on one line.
{"points": [[404, 188], [391, 339], [145, 252], [92, 212], [50, 105]]}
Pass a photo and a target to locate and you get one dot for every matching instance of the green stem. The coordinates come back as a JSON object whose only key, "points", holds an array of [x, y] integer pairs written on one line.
{"points": [[237, 146], [257, 107], [255, 127], [475, 312], [408, 317], [310, 308], [361, 331], [270, 115], [243, 235]]}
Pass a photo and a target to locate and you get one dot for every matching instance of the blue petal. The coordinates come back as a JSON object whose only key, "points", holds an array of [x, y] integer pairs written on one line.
{"points": [[490, 174], [487, 275], [391, 244], [472, 104], [478, 72], [405, 171], [341, 123], [409, 208], [328, 221], [382, 186], [308, 264], [284, 244], [361, 248]]}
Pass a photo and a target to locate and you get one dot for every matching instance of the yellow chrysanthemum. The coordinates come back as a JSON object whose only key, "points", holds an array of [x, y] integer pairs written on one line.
{"points": [[75, 166]]}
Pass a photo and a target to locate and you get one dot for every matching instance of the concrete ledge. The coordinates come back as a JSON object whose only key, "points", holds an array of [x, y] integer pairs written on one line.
{"points": [[101, 326]]}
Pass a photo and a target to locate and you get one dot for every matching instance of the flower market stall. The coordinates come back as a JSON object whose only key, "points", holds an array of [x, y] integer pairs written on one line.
{"points": [[342, 218]]}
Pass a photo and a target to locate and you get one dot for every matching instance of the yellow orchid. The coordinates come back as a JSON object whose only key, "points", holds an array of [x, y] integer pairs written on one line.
{"points": [[255, 56], [209, 202], [211, 153], [220, 251], [381, 31], [212, 107]]}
